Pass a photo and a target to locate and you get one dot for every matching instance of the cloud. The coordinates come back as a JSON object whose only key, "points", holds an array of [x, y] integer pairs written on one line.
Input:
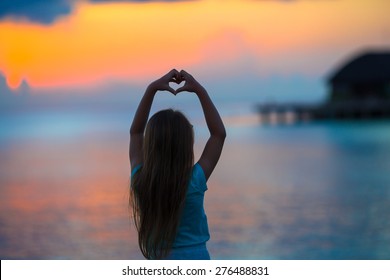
{"points": [[139, 1], [48, 11], [40, 11], [10, 97], [5, 91]]}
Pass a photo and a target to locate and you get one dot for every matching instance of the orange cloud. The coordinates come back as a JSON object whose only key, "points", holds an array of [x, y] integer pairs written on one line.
{"points": [[118, 41], [134, 42]]}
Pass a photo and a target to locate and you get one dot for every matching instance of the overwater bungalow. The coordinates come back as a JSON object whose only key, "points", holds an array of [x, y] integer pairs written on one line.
{"points": [[359, 89]]}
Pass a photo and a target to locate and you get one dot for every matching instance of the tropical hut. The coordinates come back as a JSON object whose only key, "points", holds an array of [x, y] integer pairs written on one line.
{"points": [[360, 88]]}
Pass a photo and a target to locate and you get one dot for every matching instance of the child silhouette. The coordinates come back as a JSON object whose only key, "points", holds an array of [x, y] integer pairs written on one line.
{"points": [[167, 188]]}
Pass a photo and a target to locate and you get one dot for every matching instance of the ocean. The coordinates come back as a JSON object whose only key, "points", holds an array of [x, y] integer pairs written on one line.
{"points": [[315, 190]]}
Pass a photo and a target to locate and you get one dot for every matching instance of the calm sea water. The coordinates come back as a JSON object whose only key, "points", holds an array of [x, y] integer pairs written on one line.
{"points": [[307, 191]]}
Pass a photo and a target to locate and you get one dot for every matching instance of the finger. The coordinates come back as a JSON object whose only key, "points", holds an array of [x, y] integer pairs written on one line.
{"points": [[178, 77], [168, 88], [173, 80], [176, 80], [185, 74], [171, 75], [174, 73]]}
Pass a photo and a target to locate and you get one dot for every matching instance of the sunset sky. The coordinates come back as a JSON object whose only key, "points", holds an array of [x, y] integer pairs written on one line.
{"points": [[88, 42]]}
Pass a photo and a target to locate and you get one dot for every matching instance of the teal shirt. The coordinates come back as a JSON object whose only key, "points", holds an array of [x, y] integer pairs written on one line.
{"points": [[193, 228]]}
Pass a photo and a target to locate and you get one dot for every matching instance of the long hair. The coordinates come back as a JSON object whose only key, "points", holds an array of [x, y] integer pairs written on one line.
{"points": [[158, 190]]}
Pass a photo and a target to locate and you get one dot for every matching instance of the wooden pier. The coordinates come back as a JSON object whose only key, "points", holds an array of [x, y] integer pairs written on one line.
{"points": [[359, 89], [351, 110]]}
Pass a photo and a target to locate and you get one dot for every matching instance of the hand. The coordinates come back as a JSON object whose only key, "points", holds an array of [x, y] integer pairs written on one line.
{"points": [[190, 84], [163, 82]]}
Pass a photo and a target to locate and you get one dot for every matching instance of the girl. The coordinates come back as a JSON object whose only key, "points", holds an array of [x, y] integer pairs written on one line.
{"points": [[167, 189]]}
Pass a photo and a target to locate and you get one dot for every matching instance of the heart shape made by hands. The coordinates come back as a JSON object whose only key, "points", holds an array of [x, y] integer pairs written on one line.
{"points": [[176, 85]]}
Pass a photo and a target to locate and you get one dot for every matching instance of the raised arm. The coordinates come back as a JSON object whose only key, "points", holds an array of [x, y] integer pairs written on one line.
{"points": [[214, 145], [142, 114]]}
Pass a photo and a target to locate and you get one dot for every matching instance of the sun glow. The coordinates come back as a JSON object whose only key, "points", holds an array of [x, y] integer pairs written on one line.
{"points": [[136, 41]]}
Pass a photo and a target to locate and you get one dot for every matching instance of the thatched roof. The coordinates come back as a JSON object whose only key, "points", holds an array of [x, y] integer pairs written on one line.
{"points": [[368, 68]]}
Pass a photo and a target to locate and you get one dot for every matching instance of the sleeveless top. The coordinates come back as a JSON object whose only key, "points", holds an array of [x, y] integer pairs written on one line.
{"points": [[193, 228]]}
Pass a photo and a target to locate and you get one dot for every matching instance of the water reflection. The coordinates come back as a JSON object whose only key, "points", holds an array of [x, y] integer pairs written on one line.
{"points": [[317, 198], [300, 192], [65, 200]]}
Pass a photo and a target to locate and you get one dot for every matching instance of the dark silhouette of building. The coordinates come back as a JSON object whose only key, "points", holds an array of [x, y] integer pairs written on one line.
{"points": [[359, 89], [366, 77]]}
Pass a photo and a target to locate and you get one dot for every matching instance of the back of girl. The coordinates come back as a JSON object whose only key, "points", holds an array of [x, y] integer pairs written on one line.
{"points": [[167, 188]]}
